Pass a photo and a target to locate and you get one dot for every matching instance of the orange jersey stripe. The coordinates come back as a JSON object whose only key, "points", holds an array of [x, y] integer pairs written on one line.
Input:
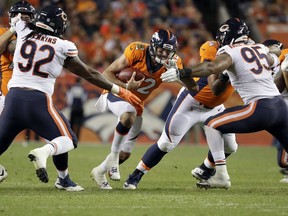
{"points": [[233, 116]]}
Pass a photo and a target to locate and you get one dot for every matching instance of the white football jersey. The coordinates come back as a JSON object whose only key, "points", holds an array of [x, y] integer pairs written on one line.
{"points": [[39, 60], [250, 73], [284, 93]]}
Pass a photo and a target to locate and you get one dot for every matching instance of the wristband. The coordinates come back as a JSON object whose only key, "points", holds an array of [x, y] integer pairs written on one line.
{"points": [[223, 77], [185, 72], [115, 89]]}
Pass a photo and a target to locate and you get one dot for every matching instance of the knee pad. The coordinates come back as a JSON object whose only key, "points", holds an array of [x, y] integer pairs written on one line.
{"points": [[166, 146], [230, 144]]}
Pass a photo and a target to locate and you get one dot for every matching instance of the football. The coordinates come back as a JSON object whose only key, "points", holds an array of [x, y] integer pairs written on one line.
{"points": [[125, 75]]}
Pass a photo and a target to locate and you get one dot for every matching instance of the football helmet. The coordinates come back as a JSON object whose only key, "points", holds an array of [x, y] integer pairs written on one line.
{"points": [[232, 31], [22, 7], [52, 19], [271, 42], [164, 39]]}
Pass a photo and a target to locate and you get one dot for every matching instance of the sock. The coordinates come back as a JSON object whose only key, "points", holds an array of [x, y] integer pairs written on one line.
{"points": [[216, 145], [137, 172], [103, 165], [61, 161], [209, 161], [62, 174], [151, 157], [119, 137]]}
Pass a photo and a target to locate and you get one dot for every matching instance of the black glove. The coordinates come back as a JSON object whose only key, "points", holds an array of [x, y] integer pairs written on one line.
{"points": [[223, 77]]}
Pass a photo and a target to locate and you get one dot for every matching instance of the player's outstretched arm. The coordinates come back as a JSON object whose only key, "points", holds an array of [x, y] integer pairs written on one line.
{"points": [[76, 66], [204, 69]]}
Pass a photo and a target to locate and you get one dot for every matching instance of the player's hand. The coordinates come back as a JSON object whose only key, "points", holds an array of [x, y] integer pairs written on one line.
{"points": [[132, 84], [132, 99], [171, 75], [284, 64], [223, 76], [13, 22], [170, 63]]}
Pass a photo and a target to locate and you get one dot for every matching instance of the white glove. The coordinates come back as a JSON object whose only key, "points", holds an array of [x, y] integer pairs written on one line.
{"points": [[13, 22], [284, 64], [170, 75], [170, 63]]}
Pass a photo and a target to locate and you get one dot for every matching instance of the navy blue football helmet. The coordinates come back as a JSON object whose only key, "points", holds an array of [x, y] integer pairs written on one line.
{"points": [[232, 31], [271, 42], [52, 19], [23, 7], [164, 39]]}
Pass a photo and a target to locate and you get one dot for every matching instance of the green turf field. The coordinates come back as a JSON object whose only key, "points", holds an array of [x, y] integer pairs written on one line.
{"points": [[168, 189]]}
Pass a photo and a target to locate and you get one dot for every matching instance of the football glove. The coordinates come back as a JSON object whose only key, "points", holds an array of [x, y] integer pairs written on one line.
{"points": [[223, 77], [132, 99], [13, 22], [170, 63], [284, 65], [170, 75]]}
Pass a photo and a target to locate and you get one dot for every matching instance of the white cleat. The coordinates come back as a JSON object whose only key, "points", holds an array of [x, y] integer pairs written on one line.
{"points": [[285, 179], [100, 178], [113, 167], [113, 173], [216, 181], [3, 173], [39, 159]]}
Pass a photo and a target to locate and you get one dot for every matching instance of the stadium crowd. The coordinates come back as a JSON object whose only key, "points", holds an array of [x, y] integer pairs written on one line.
{"points": [[103, 28]]}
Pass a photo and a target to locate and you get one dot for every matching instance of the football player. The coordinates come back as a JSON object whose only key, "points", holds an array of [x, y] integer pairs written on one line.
{"points": [[249, 70], [281, 80], [152, 60], [39, 58], [189, 109], [7, 44], [7, 47]]}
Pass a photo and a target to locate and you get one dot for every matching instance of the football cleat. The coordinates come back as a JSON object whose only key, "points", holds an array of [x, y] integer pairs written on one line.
{"points": [[285, 179], [284, 171], [3, 173], [113, 173], [100, 178], [202, 174], [113, 167], [216, 181], [67, 184], [132, 181], [39, 159]]}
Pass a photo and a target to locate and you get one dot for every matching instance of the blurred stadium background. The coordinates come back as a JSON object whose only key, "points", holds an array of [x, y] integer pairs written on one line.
{"points": [[101, 29]]}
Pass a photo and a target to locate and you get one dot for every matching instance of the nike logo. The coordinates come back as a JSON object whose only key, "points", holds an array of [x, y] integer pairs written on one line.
{"points": [[2, 173]]}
